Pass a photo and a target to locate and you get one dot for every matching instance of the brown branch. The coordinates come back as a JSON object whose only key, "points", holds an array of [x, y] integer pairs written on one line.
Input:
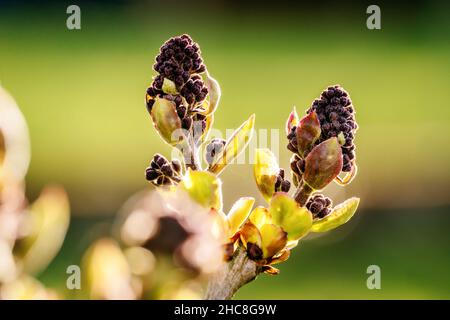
{"points": [[232, 276]]}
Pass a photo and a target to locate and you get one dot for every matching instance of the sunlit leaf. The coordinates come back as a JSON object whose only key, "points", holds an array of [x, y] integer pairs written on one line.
{"points": [[204, 187], [108, 274], [166, 121], [250, 234], [15, 152], [45, 230], [265, 171], [234, 146], [286, 213], [340, 215], [260, 216], [239, 213], [292, 244], [281, 257], [323, 164], [273, 240]]}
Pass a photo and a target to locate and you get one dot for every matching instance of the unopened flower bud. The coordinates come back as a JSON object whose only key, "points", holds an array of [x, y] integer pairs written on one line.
{"points": [[162, 172], [336, 114], [281, 184], [176, 165], [214, 148], [319, 205]]}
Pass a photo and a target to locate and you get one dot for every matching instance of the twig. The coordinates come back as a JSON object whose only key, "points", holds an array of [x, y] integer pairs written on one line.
{"points": [[232, 275]]}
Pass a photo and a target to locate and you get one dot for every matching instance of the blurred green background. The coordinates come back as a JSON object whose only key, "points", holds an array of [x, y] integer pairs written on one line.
{"points": [[82, 93]]}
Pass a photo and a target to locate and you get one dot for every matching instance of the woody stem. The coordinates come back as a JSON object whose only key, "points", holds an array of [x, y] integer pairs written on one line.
{"points": [[303, 193], [231, 276]]}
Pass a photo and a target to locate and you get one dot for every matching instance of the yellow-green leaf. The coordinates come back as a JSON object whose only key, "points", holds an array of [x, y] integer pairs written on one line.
{"points": [[286, 213], [340, 215], [239, 213], [204, 187], [265, 171], [260, 216], [292, 244], [166, 121], [273, 240], [250, 234], [47, 222], [234, 146], [103, 261]]}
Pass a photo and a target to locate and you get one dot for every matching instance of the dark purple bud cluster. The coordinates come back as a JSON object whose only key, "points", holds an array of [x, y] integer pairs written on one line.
{"points": [[162, 172], [297, 165], [179, 61], [337, 119], [281, 184], [319, 205], [214, 148]]}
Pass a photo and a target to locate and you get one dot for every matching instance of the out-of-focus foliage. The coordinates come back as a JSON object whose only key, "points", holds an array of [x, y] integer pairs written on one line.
{"points": [[30, 236]]}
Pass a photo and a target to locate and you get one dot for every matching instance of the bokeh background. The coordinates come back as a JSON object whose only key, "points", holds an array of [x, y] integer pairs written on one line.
{"points": [[82, 94]]}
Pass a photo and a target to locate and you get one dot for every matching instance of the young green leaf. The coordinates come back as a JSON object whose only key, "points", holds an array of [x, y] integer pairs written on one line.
{"points": [[234, 146], [239, 213], [260, 216], [204, 187], [265, 171], [273, 238], [166, 120], [49, 220], [286, 213], [250, 234], [340, 215]]}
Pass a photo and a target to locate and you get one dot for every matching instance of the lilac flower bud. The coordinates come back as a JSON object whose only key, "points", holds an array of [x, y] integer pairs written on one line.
{"points": [[214, 148], [162, 172], [319, 205], [281, 184], [337, 117], [180, 62]]}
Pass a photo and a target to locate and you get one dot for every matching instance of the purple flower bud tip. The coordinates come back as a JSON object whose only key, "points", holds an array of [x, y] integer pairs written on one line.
{"points": [[179, 61], [336, 115], [281, 184], [161, 171]]}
